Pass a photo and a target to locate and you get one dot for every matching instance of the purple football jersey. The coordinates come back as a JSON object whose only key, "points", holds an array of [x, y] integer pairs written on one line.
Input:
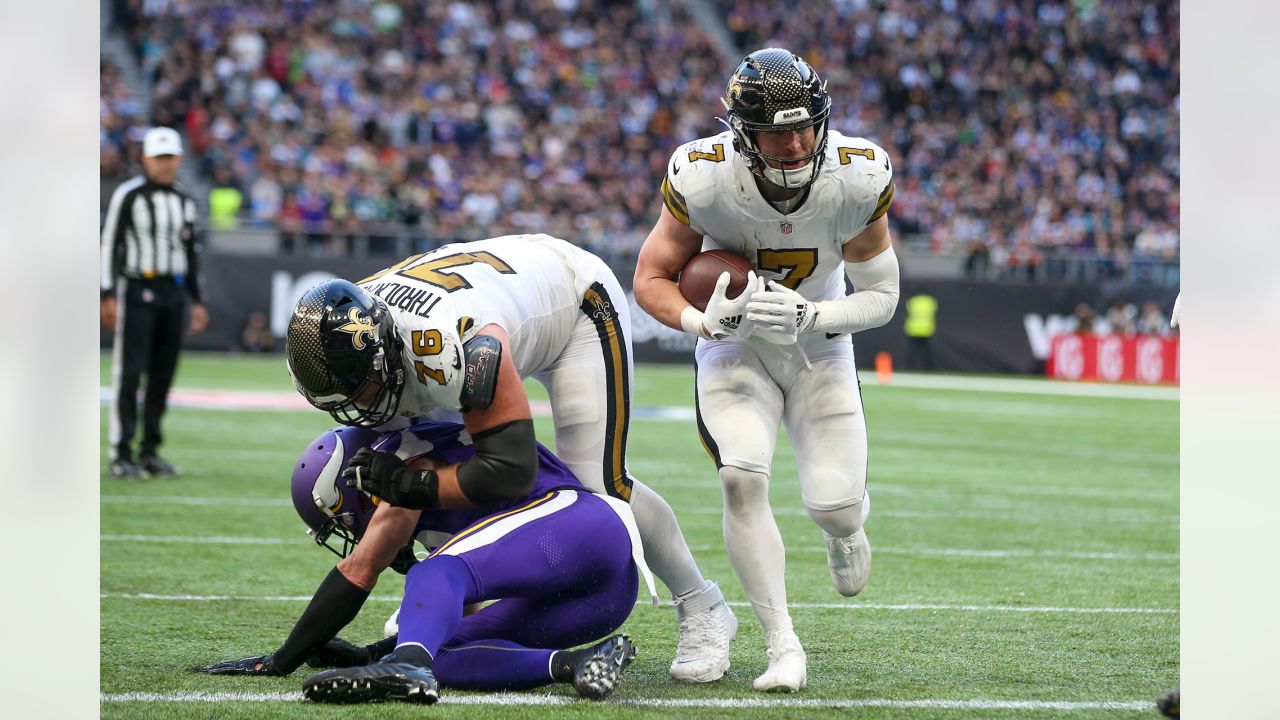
{"points": [[450, 443]]}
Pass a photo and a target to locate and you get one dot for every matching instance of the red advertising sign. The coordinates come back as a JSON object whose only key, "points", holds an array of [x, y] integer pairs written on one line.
{"points": [[1114, 358]]}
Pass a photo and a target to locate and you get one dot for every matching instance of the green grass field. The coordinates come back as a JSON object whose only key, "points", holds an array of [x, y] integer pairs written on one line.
{"points": [[1026, 564]]}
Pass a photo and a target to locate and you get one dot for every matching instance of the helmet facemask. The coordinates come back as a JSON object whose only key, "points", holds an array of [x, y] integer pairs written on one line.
{"points": [[774, 90], [344, 355]]}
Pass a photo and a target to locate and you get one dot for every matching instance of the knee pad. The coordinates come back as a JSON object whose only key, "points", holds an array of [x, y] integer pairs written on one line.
{"points": [[743, 488], [845, 521]]}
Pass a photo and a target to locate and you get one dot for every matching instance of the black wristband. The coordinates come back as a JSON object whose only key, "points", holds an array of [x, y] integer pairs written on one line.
{"points": [[336, 603], [414, 488]]}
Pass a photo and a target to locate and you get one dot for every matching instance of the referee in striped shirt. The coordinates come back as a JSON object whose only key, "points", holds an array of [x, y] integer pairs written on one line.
{"points": [[149, 271]]}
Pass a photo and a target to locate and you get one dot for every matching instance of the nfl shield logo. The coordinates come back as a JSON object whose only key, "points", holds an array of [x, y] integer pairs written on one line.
{"points": [[785, 228]]}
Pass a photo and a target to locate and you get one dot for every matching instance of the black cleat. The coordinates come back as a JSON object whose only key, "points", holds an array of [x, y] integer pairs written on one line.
{"points": [[1169, 704], [599, 673], [374, 683], [158, 467], [127, 469]]}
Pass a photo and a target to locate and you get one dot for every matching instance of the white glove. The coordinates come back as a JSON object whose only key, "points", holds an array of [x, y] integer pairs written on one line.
{"points": [[781, 314], [723, 317], [1177, 312]]}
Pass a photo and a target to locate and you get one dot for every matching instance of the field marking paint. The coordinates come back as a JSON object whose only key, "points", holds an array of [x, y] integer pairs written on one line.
{"points": [[210, 399], [934, 607], [1032, 386], [211, 540], [942, 552], [997, 554], [518, 699], [1102, 515], [194, 500]]}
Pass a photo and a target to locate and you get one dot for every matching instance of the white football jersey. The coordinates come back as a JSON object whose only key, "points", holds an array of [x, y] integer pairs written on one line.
{"points": [[530, 285], [709, 188]]}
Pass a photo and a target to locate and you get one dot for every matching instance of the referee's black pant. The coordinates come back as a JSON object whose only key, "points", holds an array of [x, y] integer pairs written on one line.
{"points": [[149, 327]]}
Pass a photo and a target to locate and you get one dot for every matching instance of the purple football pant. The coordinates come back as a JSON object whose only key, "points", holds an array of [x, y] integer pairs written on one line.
{"points": [[560, 568]]}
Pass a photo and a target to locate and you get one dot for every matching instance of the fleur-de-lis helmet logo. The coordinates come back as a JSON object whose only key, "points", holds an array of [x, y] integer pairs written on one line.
{"points": [[359, 325]]}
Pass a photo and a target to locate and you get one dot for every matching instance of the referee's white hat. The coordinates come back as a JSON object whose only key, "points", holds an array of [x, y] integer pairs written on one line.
{"points": [[161, 141]]}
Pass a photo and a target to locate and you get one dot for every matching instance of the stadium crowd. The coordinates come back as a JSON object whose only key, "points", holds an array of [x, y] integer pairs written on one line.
{"points": [[1023, 132]]}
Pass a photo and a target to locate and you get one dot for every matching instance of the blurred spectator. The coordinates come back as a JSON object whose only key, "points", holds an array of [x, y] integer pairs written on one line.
{"points": [[1121, 318], [257, 335], [1083, 321], [1049, 128], [1153, 320], [1027, 134], [224, 202], [920, 326]]}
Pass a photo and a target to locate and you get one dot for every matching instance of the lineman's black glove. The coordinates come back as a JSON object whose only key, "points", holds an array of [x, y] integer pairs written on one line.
{"points": [[260, 665], [338, 653], [383, 475]]}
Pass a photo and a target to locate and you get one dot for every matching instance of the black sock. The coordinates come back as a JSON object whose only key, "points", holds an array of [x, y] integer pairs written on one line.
{"points": [[411, 654], [564, 662]]}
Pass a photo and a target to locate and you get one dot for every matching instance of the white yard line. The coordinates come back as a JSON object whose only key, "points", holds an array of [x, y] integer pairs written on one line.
{"points": [[194, 500], [944, 552], [529, 699], [1104, 514], [933, 607], [277, 400], [1031, 386]]}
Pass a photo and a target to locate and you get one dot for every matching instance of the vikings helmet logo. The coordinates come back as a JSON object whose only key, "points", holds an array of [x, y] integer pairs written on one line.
{"points": [[359, 326]]}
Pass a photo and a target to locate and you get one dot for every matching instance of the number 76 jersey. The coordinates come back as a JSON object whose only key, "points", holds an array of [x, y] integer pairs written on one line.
{"points": [[709, 188], [530, 285]]}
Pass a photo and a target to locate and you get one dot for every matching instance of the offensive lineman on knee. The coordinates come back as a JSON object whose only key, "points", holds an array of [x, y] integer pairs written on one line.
{"points": [[454, 332], [808, 208]]}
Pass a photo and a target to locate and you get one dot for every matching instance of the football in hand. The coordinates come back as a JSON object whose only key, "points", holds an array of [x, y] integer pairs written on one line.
{"points": [[698, 278]]}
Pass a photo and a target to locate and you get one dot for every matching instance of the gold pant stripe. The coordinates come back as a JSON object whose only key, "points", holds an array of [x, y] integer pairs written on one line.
{"points": [[488, 521], [600, 308]]}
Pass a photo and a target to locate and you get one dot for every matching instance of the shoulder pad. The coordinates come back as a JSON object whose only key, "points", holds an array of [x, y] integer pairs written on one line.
{"points": [[694, 168], [483, 354], [859, 162]]}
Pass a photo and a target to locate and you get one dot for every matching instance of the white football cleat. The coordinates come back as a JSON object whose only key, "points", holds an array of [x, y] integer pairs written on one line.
{"points": [[788, 665], [702, 655], [392, 625], [849, 560]]}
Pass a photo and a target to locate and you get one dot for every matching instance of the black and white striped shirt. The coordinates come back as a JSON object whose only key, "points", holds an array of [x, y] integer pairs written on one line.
{"points": [[150, 233]]}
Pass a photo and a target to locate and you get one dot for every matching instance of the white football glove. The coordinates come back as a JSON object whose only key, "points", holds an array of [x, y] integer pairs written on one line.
{"points": [[1176, 317], [781, 314], [724, 317]]}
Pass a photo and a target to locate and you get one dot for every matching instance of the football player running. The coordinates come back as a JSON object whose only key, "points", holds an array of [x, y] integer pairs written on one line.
{"points": [[807, 207], [456, 330], [516, 552]]}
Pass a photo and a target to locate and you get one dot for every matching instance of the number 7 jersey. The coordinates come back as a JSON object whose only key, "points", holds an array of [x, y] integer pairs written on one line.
{"points": [[710, 189]]}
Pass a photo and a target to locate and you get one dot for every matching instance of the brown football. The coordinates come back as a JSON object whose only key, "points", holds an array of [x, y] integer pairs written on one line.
{"points": [[698, 278]]}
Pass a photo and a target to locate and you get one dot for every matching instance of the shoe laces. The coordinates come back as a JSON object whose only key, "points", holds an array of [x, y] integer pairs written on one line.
{"points": [[704, 628], [781, 642]]}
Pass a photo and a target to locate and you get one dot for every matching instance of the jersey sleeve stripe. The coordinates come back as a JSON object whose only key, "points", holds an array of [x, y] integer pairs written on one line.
{"points": [[886, 199], [674, 201]]}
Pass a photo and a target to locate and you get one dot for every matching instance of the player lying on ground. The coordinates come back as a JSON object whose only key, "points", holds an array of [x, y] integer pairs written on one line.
{"points": [[558, 560]]}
